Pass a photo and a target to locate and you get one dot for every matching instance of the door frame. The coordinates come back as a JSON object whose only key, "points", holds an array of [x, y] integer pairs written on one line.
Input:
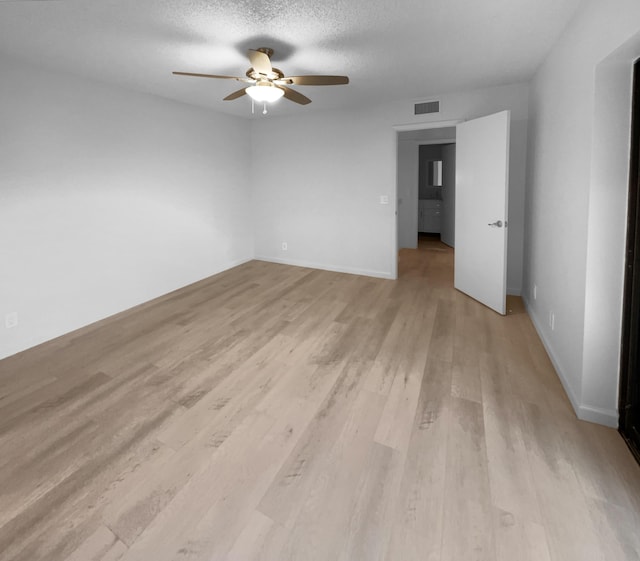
{"points": [[629, 392], [397, 130]]}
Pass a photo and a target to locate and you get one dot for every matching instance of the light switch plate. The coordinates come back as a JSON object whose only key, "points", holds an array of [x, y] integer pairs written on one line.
{"points": [[384, 199]]}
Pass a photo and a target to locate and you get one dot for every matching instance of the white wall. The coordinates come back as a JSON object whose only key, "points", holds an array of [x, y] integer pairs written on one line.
{"points": [[317, 179], [576, 207], [607, 229], [108, 199]]}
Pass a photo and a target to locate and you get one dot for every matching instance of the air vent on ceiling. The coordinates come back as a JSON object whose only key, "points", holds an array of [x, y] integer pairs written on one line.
{"points": [[427, 107]]}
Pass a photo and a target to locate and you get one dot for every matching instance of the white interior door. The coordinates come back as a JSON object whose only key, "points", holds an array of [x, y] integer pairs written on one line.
{"points": [[482, 181]]}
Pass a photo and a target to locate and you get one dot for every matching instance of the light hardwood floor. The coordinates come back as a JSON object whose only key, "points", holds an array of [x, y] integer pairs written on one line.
{"points": [[278, 413]]}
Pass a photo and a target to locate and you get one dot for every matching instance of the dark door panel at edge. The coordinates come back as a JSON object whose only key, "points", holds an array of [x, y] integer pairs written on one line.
{"points": [[629, 404]]}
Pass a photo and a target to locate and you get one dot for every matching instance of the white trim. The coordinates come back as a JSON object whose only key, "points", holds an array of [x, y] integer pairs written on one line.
{"points": [[599, 416], [608, 418], [426, 125], [394, 236], [326, 267], [556, 365], [394, 225], [230, 265]]}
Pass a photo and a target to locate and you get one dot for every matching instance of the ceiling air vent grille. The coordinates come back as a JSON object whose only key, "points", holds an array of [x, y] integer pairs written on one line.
{"points": [[427, 107]]}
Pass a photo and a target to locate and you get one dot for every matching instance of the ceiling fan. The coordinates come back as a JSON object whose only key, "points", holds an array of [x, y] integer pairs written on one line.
{"points": [[268, 83]]}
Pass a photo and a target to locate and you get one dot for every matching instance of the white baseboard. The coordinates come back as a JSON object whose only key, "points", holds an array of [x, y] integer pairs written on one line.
{"points": [[326, 267], [514, 291], [227, 266], [599, 416], [584, 412]]}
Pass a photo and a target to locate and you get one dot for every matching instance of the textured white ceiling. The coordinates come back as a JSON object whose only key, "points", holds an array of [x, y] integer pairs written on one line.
{"points": [[390, 49]]}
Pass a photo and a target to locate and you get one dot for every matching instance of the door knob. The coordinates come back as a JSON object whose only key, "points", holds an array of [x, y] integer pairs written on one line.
{"points": [[496, 224]]}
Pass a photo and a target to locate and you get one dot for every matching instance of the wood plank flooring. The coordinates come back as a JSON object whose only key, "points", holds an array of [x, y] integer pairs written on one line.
{"points": [[279, 413]]}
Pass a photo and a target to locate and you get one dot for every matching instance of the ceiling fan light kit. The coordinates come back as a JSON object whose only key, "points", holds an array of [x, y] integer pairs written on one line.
{"points": [[265, 92], [268, 84]]}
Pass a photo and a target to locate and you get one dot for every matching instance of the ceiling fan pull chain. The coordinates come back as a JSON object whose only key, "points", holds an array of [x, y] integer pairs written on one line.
{"points": [[264, 110], [253, 109]]}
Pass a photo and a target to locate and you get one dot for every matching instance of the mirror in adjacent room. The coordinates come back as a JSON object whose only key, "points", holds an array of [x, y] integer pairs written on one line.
{"points": [[434, 173]]}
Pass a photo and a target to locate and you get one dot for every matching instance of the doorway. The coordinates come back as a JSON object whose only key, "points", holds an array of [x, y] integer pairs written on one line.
{"points": [[629, 399], [437, 191], [482, 186], [416, 184]]}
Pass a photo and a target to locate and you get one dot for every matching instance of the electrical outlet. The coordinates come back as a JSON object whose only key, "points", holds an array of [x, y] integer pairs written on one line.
{"points": [[384, 199], [535, 292], [284, 246], [11, 320], [552, 320]]}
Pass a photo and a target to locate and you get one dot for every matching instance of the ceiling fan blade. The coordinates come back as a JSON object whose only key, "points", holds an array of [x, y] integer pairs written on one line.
{"points": [[316, 80], [235, 95], [297, 97], [260, 62], [240, 79]]}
